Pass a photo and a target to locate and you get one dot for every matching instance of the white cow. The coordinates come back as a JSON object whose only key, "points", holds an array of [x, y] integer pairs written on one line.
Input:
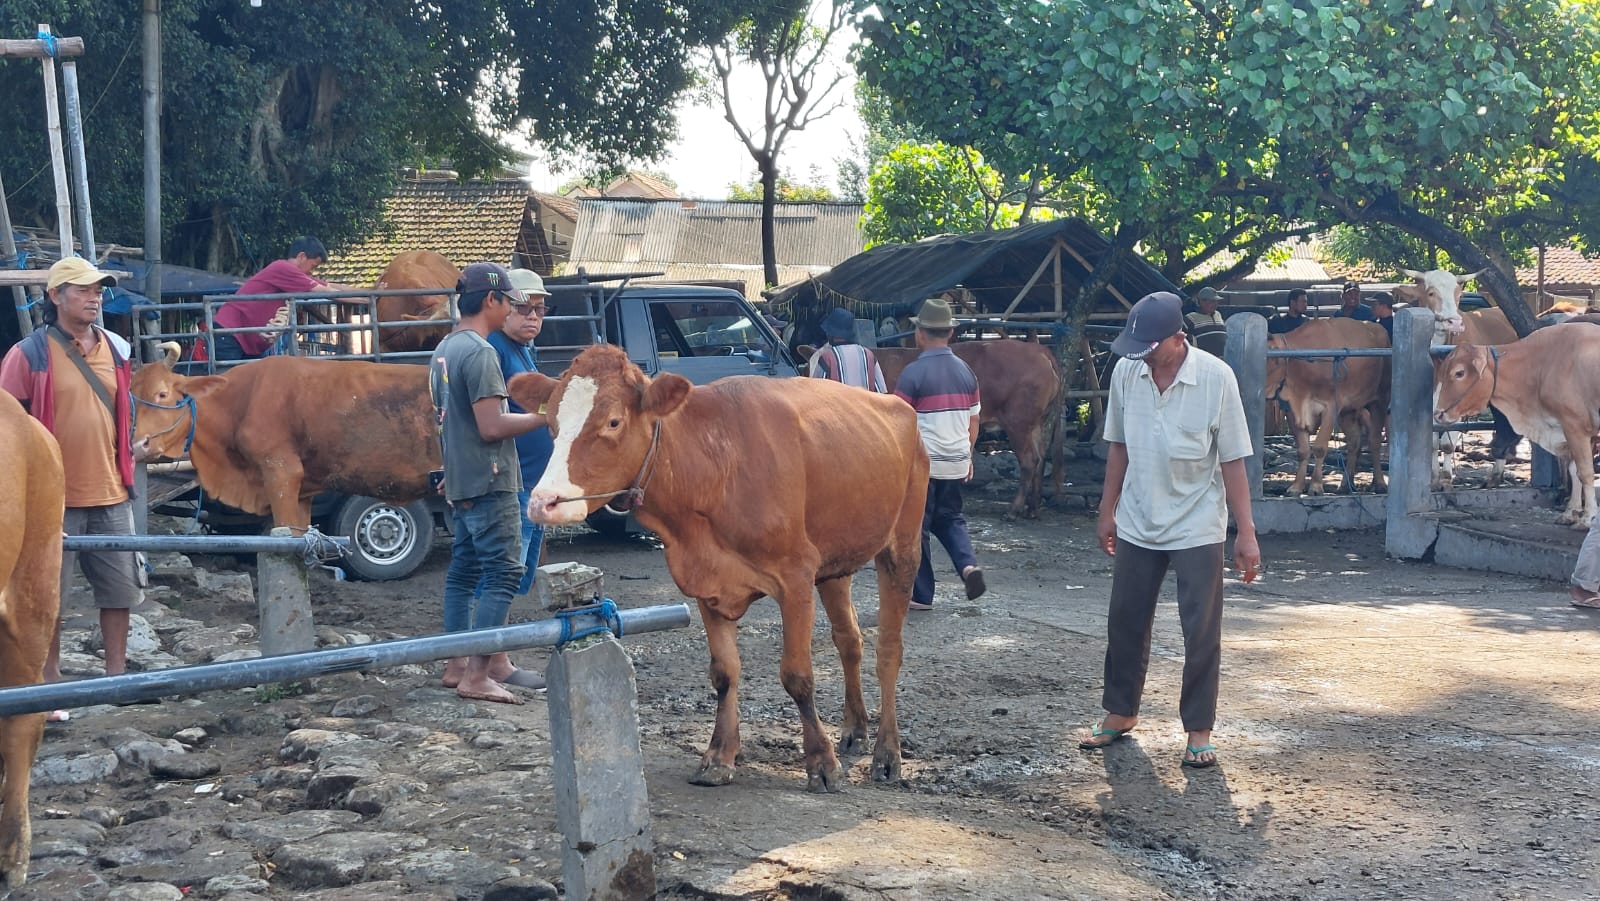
{"points": [[1439, 290]]}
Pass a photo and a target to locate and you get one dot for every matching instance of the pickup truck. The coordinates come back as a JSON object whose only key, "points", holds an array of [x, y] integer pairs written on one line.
{"points": [[701, 333]]}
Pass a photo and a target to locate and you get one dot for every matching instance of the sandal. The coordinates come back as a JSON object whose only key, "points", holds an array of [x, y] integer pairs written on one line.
{"points": [[1100, 736], [1582, 597], [1192, 756]]}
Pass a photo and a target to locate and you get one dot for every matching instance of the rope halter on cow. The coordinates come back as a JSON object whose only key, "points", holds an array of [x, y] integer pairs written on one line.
{"points": [[187, 402], [632, 497]]}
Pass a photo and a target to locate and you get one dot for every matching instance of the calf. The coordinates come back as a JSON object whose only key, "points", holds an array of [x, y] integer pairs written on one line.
{"points": [[757, 487], [1352, 390], [1548, 387], [32, 501]]}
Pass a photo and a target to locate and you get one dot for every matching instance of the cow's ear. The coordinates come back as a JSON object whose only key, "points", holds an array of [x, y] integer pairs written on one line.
{"points": [[666, 393], [531, 390]]}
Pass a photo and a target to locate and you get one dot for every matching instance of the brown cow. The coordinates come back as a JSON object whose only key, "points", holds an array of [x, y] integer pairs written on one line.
{"points": [[757, 487], [271, 434], [1548, 387], [1353, 390], [415, 269], [1019, 385], [32, 501]]}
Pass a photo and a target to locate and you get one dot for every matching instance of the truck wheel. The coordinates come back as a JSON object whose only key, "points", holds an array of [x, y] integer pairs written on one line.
{"points": [[387, 541], [607, 523]]}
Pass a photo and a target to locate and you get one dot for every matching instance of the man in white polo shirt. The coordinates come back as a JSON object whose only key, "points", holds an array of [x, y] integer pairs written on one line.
{"points": [[1178, 440]]}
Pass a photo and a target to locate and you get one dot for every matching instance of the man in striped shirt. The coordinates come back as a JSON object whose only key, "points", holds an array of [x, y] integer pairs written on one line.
{"points": [[842, 359], [944, 392]]}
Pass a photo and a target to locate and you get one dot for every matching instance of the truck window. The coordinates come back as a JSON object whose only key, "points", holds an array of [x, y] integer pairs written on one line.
{"points": [[707, 339]]}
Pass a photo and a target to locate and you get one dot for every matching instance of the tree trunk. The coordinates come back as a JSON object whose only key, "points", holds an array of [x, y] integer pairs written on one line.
{"points": [[769, 206], [1088, 298], [1496, 281]]}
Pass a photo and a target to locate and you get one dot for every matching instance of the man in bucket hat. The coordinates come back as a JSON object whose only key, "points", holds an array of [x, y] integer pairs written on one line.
{"points": [[944, 392], [844, 360], [1178, 440]]}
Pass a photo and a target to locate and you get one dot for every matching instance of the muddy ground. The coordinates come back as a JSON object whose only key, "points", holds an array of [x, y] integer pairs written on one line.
{"points": [[1386, 730]]}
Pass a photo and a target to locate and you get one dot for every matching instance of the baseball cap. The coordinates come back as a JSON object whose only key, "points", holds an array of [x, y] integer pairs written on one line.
{"points": [[1208, 293], [1350, 284], [528, 282], [77, 271], [1154, 319], [486, 277]]}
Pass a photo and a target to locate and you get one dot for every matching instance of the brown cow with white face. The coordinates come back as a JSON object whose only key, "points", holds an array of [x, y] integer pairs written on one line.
{"points": [[757, 487], [32, 500]]}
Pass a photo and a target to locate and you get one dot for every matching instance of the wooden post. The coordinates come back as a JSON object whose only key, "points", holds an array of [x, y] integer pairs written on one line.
{"points": [[1096, 392], [602, 806], [1407, 533], [283, 599], [1246, 354], [80, 178], [36, 49], [58, 162]]}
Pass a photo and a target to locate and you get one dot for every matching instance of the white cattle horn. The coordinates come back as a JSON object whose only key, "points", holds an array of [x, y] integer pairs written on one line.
{"points": [[1463, 279], [170, 351], [1411, 273]]}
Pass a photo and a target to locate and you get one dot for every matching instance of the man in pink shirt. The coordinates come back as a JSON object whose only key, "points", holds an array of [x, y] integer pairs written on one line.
{"points": [[286, 276]]}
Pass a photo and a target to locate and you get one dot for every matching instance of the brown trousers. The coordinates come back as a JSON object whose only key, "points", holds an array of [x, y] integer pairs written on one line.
{"points": [[1135, 584]]}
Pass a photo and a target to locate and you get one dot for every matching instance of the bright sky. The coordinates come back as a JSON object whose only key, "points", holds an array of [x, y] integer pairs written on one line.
{"points": [[709, 156]]}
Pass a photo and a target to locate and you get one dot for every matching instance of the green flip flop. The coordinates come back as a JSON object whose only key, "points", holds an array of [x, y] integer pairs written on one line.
{"points": [[1191, 757], [1100, 736]]}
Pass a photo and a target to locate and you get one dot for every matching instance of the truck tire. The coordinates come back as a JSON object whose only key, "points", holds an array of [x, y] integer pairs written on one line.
{"points": [[387, 541], [608, 523]]}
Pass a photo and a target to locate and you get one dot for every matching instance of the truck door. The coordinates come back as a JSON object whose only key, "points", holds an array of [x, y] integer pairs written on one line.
{"points": [[704, 339]]}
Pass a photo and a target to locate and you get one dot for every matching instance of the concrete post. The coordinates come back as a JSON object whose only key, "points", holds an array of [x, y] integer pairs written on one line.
{"points": [[1407, 534], [1246, 353], [601, 803], [283, 599]]}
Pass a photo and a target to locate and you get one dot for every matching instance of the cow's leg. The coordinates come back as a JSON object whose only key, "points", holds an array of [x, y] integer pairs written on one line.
{"points": [[847, 638], [1377, 428], [1501, 447], [1581, 467], [1030, 472], [1444, 461], [823, 772], [1319, 451], [26, 632], [897, 569], [1351, 423], [283, 493], [1302, 453], [716, 767]]}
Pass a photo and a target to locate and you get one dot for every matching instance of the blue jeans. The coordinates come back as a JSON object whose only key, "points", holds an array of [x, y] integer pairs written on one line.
{"points": [[532, 544], [487, 550], [942, 518]]}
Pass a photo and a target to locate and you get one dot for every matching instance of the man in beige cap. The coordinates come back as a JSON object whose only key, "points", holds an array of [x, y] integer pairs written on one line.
{"points": [[942, 389], [72, 376]]}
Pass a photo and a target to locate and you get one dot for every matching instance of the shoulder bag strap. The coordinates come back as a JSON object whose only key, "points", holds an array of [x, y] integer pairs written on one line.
{"points": [[71, 348]]}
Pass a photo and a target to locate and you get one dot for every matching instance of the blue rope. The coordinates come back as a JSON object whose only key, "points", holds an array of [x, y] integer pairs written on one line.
{"points": [[606, 609], [22, 259], [188, 401], [52, 47]]}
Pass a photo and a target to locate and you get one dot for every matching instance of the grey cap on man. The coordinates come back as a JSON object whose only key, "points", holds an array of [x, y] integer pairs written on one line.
{"points": [[1154, 319]]}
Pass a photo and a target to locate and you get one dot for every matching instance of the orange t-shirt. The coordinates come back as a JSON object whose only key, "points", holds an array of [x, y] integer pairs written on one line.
{"points": [[84, 429]]}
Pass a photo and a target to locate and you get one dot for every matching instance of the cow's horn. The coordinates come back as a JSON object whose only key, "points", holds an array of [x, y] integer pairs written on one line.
{"points": [[1411, 273], [170, 351], [1463, 279]]}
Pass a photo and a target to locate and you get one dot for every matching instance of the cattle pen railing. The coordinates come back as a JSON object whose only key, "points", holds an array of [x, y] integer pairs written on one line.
{"points": [[1411, 512], [602, 806]]}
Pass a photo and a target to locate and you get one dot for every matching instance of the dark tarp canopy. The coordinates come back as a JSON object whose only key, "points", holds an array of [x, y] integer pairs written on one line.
{"points": [[894, 279]]}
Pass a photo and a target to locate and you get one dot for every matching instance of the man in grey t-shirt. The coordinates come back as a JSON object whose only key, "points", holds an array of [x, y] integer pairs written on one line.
{"points": [[482, 476]]}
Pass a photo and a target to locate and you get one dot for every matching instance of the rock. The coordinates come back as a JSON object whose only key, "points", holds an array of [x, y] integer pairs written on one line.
{"points": [[148, 891], [204, 644], [562, 585], [80, 769], [235, 588], [488, 741], [373, 796], [334, 778], [340, 858], [387, 890], [152, 660], [138, 753], [309, 744], [191, 736], [358, 706], [142, 637], [240, 654], [284, 777], [149, 810], [400, 732], [338, 614], [228, 885], [274, 832], [82, 832], [184, 765], [196, 867], [155, 840], [105, 817], [329, 637], [172, 625], [521, 888], [467, 873], [67, 884]]}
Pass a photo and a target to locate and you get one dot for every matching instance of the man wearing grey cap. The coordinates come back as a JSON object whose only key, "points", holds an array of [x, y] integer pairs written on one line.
{"points": [[1207, 316], [1178, 440]]}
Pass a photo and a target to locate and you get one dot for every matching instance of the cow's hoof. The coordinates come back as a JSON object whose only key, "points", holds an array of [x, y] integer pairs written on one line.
{"points": [[1380, 489], [1580, 525], [826, 779], [854, 742], [885, 767], [712, 774]]}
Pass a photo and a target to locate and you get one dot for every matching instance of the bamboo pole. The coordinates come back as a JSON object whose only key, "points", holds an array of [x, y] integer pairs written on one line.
{"points": [[58, 162], [1054, 254], [8, 245], [80, 172], [1090, 267], [34, 48]]}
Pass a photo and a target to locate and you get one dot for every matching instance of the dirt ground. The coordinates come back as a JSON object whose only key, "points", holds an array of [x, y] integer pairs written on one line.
{"points": [[1386, 730]]}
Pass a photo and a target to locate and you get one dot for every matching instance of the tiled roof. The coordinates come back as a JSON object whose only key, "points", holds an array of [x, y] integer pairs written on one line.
{"points": [[751, 275], [647, 186], [1564, 267], [465, 221], [566, 207], [654, 233]]}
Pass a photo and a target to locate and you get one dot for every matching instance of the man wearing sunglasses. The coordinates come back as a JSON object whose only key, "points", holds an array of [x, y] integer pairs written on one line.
{"points": [[482, 477]]}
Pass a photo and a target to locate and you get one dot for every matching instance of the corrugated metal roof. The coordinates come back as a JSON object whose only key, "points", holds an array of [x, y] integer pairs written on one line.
{"points": [[465, 221], [659, 232], [750, 274]]}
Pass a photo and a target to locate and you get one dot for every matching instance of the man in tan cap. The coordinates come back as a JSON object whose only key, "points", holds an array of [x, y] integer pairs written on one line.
{"points": [[942, 389], [72, 376]]}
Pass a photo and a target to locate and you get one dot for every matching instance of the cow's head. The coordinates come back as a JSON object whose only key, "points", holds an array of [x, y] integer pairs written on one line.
{"points": [[1440, 291], [1463, 383], [603, 413], [163, 406]]}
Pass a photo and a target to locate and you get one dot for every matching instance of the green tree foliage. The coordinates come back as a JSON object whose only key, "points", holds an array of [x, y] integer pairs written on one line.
{"points": [[789, 190], [1444, 119], [921, 190], [296, 118]]}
